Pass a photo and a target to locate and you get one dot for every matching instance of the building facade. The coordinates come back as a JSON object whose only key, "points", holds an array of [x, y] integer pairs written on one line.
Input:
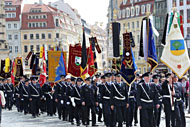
{"points": [[13, 25], [130, 15], [44, 25], [4, 49]]}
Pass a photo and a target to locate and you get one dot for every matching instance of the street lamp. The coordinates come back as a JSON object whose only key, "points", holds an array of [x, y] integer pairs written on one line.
{"points": [[187, 39]]}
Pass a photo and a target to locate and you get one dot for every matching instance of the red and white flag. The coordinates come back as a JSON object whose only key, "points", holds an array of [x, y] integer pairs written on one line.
{"points": [[43, 75]]}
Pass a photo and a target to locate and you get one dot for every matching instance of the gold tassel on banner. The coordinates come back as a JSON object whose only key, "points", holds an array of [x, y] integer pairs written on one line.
{"points": [[7, 65]]}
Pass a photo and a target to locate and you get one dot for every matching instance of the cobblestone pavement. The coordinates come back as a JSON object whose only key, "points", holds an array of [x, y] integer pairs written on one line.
{"points": [[16, 119]]}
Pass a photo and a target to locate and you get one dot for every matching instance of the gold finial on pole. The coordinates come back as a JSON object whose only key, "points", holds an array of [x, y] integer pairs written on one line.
{"points": [[115, 14], [148, 13], [126, 28], [174, 9]]}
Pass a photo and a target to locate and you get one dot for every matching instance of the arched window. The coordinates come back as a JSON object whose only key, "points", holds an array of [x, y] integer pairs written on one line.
{"points": [[132, 11], [143, 9]]}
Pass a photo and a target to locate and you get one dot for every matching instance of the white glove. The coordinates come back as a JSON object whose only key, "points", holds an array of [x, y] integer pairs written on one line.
{"points": [[5, 95], [73, 102], [100, 105], [68, 103], [62, 102]]}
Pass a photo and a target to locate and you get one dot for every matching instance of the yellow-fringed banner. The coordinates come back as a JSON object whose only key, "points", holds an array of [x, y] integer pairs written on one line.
{"points": [[53, 61], [7, 65]]}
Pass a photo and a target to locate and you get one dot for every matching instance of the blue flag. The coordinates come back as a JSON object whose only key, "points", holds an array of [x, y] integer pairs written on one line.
{"points": [[60, 70], [127, 73], [152, 56]]}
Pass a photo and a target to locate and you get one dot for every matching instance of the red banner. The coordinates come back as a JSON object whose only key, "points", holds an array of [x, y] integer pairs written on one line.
{"points": [[75, 57]]}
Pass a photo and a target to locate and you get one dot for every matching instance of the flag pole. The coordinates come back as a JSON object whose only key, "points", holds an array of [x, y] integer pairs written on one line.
{"points": [[148, 13]]}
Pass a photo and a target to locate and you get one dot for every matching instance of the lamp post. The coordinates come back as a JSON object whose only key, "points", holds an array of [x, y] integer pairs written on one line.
{"points": [[187, 39]]}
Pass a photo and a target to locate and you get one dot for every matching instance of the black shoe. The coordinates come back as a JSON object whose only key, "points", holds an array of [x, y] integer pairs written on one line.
{"points": [[34, 116], [135, 124], [59, 117], [78, 124], [72, 123], [94, 125]]}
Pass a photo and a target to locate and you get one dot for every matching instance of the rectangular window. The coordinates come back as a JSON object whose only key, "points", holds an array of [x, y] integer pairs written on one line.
{"points": [[188, 30], [49, 35], [188, 15], [36, 24], [57, 22], [188, 1], [9, 26], [128, 25], [138, 38], [33, 24], [9, 37], [44, 16], [37, 36], [57, 35], [25, 48], [31, 47], [16, 49], [123, 26], [10, 49], [174, 2], [137, 24], [181, 2], [44, 24], [43, 36], [133, 25], [37, 48], [31, 36], [13, 15], [29, 25], [25, 36], [182, 14], [15, 26], [16, 37]]}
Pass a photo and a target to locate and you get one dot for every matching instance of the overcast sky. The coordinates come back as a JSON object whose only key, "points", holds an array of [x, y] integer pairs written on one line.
{"points": [[90, 10]]}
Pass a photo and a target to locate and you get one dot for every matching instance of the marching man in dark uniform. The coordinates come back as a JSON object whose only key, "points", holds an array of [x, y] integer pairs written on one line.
{"points": [[119, 99], [24, 96], [47, 90], [132, 104], [9, 90], [68, 103], [179, 101], [21, 83], [76, 100], [89, 101], [34, 96], [70, 94], [170, 92], [147, 97], [157, 112], [106, 100], [61, 97]]}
